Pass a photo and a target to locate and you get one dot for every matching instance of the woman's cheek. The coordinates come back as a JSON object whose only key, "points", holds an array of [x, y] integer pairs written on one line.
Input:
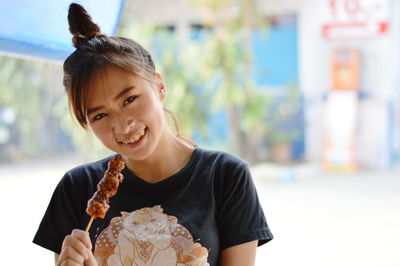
{"points": [[101, 133]]}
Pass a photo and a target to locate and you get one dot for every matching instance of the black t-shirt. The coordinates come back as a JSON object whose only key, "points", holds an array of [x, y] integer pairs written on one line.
{"points": [[187, 219]]}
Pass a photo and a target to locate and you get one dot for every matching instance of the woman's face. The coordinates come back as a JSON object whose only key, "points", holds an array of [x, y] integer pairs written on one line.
{"points": [[125, 112]]}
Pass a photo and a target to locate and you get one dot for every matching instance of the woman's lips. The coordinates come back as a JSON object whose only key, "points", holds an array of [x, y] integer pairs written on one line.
{"points": [[137, 139]]}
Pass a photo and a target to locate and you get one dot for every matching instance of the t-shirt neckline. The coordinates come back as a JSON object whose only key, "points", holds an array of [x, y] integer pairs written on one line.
{"points": [[130, 177]]}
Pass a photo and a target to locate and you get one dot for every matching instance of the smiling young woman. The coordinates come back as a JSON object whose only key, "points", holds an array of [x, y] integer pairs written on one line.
{"points": [[179, 204]]}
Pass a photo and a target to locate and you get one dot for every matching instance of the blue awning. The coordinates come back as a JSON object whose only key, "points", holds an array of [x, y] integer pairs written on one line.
{"points": [[39, 28]]}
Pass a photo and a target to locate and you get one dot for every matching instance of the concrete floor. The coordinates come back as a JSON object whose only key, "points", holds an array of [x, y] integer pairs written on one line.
{"points": [[321, 219], [317, 219]]}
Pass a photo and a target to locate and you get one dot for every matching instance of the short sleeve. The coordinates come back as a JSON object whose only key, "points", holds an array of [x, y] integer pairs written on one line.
{"points": [[60, 218], [240, 216]]}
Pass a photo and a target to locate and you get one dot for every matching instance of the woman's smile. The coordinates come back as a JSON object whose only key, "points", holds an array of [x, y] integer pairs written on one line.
{"points": [[136, 140]]}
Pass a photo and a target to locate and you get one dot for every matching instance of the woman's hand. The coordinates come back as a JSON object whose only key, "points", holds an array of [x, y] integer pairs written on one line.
{"points": [[76, 250]]}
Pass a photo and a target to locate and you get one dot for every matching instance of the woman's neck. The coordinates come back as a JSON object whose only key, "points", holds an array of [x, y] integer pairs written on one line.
{"points": [[172, 155]]}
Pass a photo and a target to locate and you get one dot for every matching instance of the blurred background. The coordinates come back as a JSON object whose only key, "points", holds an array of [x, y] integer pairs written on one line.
{"points": [[307, 91]]}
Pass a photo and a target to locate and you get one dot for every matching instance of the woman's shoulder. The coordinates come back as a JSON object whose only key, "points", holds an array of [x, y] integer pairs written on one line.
{"points": [[220, 157]]}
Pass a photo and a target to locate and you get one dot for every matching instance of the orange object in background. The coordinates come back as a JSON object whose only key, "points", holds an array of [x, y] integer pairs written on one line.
{"points": [[345, 69]]}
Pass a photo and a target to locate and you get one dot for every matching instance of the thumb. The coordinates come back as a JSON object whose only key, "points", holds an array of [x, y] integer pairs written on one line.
{"points": [[90, 261]]}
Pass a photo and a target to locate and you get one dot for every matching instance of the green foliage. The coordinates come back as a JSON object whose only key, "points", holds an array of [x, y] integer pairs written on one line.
{"points": [[20, 89], [254, 112], [212, 4], [281, 125], [34, 91], [86, 145], [202, 77], [183, 100], [214, 73], [179, 70], [228, 62]]}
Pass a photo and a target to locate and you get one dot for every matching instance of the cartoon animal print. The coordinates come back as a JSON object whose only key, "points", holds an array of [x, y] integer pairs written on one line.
{"points": [[148, 237]]}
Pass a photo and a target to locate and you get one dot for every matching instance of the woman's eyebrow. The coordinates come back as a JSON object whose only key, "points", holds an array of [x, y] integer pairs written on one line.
{"points": [[123, 92], [93, 110], [119, 95]]}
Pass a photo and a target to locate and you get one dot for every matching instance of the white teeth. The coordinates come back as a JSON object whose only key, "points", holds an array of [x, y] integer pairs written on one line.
{"points": [[134, 138]]}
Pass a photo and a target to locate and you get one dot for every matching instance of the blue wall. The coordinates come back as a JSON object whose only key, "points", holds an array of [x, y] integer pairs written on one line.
{"points": [[275, 55]]}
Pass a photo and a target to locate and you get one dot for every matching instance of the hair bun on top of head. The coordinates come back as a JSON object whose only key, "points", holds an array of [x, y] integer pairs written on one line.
{"points": [[81, 25]]}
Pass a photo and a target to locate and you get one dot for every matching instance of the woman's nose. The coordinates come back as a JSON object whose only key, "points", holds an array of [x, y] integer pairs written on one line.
{"points": [[123, 124]]}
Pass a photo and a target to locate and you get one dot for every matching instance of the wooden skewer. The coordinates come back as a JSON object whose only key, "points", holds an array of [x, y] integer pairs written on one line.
{"points": [[89, 224]]}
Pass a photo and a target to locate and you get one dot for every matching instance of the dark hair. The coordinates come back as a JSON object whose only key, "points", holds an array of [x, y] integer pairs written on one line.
{"points": [[94, 51]]}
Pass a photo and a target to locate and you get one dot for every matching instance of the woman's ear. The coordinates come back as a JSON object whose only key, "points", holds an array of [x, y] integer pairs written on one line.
{"points": [[161, 89]]}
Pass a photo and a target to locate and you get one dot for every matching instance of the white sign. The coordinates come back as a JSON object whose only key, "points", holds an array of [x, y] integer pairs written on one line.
{"points": [[355, 19], [340, 130]]}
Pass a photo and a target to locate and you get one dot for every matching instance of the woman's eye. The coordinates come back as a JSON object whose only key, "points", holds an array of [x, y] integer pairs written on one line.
{"points": [[99, 116], [129, 100]]}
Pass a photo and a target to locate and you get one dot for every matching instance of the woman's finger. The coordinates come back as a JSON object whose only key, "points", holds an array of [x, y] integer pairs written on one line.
{"points": [[76, 249], [91, 261], [76, 244], [83, 237], [69, 256], [69, 262]]}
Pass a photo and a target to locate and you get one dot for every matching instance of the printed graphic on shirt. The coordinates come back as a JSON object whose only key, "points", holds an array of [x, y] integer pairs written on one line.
{"points": [[148, 237]]}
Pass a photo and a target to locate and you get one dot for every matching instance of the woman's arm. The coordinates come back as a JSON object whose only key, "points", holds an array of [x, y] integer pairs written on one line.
{"points": [[239, 255]]}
